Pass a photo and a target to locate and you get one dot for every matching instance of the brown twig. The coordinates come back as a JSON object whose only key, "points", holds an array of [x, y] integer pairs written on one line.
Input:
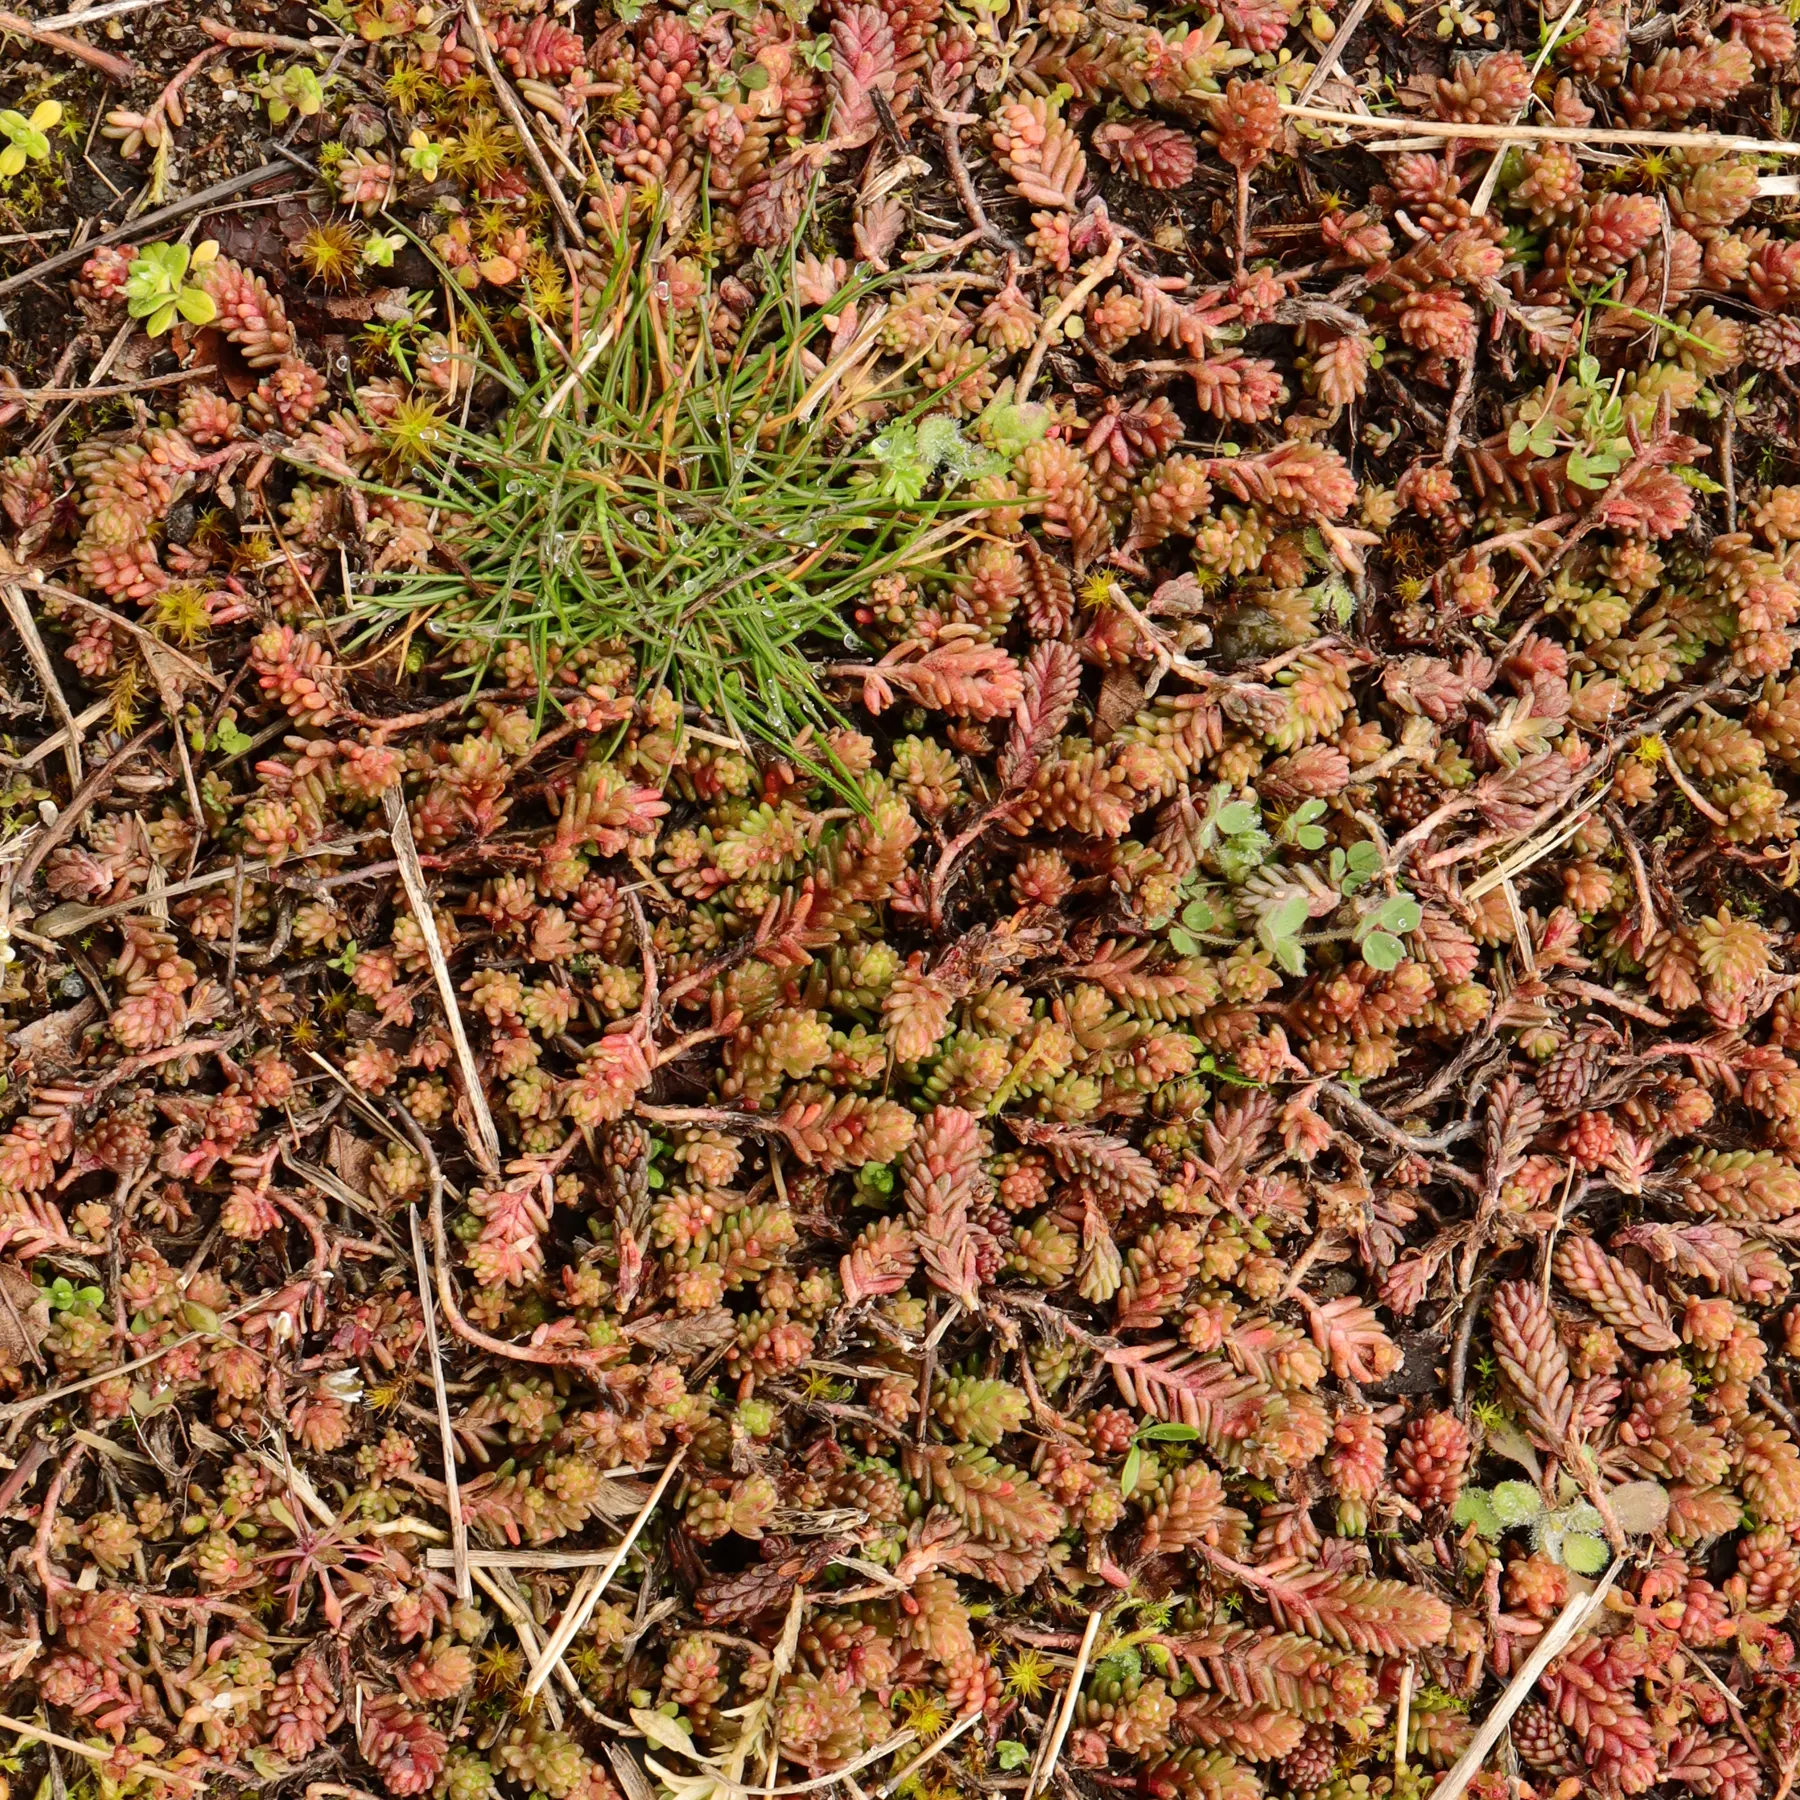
{"points": [[1366, 1116], [1465, 1336], [949, 127], [1728, 464], [23, 1409], [40, 1545], [446, 1287], [42, 1449], [1072, 302], [1543, 134], [134, 1066], [114, 68], [1491, 178], [113, 390], [89, 715], [926, 1755], [84, 796], [1640, 879], [1046, 1763], [1580, 1609], [233, 39], [152, 644], [1785, 1414], [582, 1604], [1333, 52], [509, 102], [1690, 793], [953, 853], [45, 670], [407, 721], [1604, 996], [1459, 407], [36, 1734], [147, 225]]}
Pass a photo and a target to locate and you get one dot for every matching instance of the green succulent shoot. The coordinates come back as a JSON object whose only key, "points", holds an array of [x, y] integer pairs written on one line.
{"points": [[156, 288], [295, 89], [27, 139], [378, 252], [422, 156], [64, 1296]]}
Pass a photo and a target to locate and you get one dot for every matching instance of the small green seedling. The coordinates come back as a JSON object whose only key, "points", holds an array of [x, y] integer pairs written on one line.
{"points": [[227, 737], [422, 156], [64, 1296], [1231, 835], [910, 456], [1277, 930], [1300, 829], [1378, 933], [27, 139], [295, 89], [1572, 1533], [1353, 869], [1150, 1434], [1008, 426], [1585, 417], [157, 290], [875, 1183], [1196, 916], [379, 252]]}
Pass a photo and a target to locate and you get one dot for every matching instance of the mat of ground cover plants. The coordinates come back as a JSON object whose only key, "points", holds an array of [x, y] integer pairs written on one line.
{"points": [[898, 899]]}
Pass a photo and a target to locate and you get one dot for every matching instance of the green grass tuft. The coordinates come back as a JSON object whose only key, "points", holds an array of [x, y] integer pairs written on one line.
{"points": [[702, 512]]}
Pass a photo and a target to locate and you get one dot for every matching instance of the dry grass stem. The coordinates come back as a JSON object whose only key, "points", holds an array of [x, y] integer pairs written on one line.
{"points": [[418, 894], [1544, 134], [1052, 1747], [1334, 51], [1580, 1608], [925, 1756], [582, 1603], [459, 1530]]}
